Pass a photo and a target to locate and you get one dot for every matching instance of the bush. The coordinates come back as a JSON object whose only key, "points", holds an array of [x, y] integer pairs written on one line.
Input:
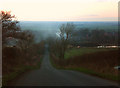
{"points": [[10, 55]]}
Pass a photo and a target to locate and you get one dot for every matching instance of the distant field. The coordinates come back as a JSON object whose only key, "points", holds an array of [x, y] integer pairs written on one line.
{"points": [[81, 51]]}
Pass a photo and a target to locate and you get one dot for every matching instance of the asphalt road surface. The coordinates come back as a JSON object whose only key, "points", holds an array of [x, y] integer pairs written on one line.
{"points": [[47, 75]]}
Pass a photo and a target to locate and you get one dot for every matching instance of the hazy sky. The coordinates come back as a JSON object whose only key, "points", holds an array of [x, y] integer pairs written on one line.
{"points": [[62, 10]]}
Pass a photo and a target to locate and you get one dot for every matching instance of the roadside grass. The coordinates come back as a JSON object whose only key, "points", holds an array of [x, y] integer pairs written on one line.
{"points": [[81, 51], [91, 72], [16, 61], [18, 70], [88, 71], [100, 64]]}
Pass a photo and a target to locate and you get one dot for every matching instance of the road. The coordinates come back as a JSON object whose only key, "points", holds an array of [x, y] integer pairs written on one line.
{"points": [[47, 75]]}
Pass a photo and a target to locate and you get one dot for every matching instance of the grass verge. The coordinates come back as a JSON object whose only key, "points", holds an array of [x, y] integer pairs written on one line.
{"points": [[91, 72], [99, 64], [18, 71]]}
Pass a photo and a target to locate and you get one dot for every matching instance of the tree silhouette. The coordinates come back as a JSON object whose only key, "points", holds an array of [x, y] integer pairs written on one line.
{"points": [[9, 25], [65, 35]]}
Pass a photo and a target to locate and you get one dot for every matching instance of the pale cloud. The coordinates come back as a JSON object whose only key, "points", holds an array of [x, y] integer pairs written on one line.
{"points": [[91, 15]]}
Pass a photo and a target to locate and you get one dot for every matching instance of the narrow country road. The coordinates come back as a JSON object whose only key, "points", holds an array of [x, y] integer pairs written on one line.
{"points": [[47, 75]]}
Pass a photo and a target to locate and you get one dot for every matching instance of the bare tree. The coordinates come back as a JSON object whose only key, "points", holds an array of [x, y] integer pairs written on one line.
{"points": [[65, 36]]}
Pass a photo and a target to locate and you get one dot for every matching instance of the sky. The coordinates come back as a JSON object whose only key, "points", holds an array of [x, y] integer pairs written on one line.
{"points": [[62, 10]]}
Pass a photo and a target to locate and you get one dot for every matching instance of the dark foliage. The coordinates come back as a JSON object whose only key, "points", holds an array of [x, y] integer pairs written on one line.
{"points": [[86, 37], [9, 25]]}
